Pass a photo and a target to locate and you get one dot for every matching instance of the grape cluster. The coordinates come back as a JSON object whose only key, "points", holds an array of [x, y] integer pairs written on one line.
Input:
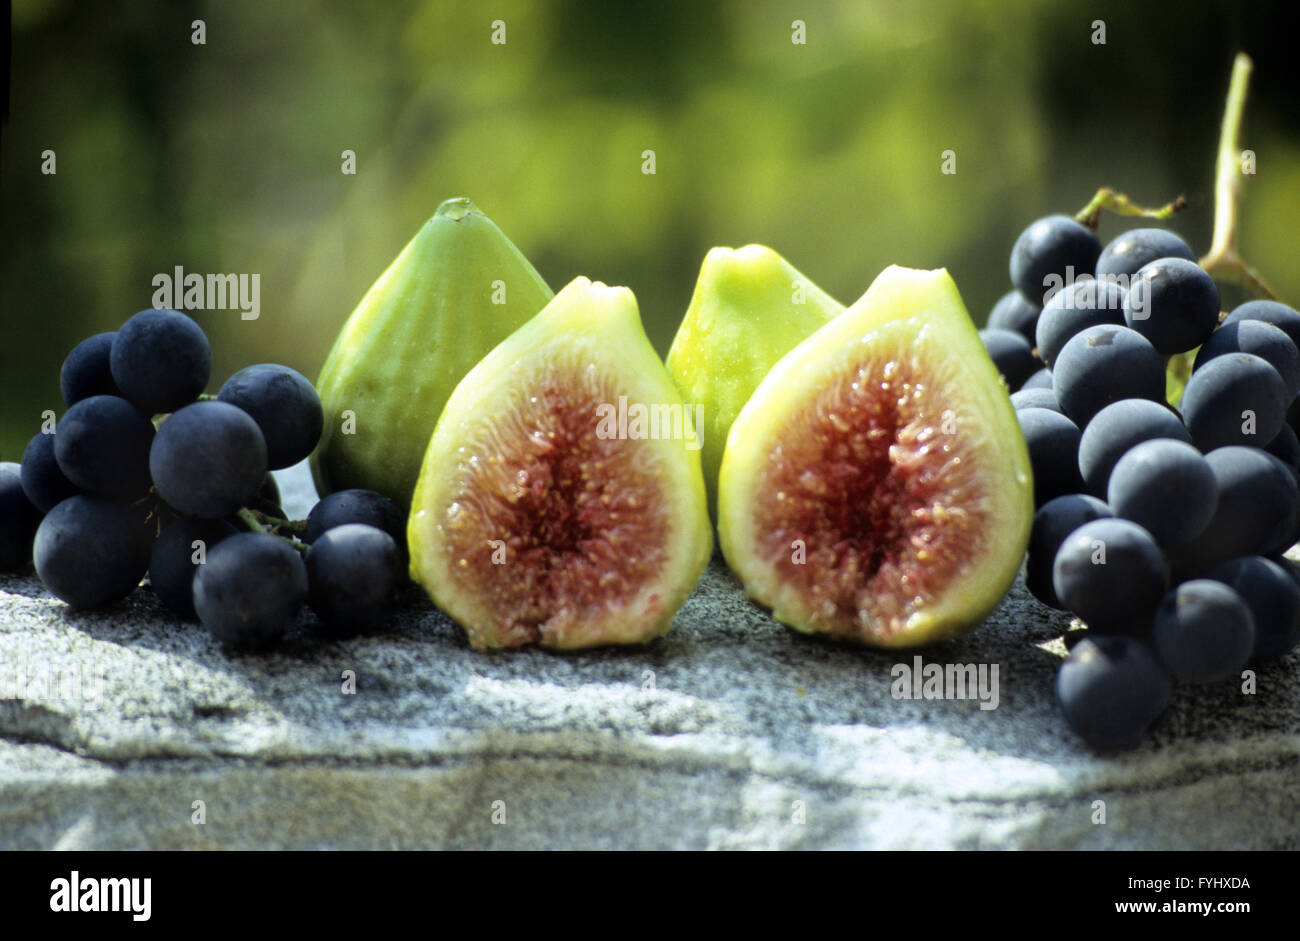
{"points": [[146, 474], [1161, 528]]}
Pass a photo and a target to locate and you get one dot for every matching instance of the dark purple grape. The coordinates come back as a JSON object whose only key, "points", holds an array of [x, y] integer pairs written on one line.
{"points": [[1053, 443], [102, 445], [1055, 520], [354, 572], [1286, 448], [1236, 398], [1117, 428], [250, 590], [161, 360], [1039, 380], [284, 405], [208, 460], [1011, 354], [91, 551], [1103, 364], [86, 370], [1204, 632], [1013, 312], [18, 519], [1285, 318], [1261, 339], [177, 554], [358, 506], [1110, 573], [1086, 303], [1050, 253], [1035, 398], [1273, 597], [1256, 514], [1129, 251], [1173, 303], [1166, 487], [1111, 690], [43, 481]]}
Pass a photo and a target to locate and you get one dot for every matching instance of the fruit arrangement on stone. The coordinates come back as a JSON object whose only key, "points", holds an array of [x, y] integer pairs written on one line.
{"points": [[874, 473]]}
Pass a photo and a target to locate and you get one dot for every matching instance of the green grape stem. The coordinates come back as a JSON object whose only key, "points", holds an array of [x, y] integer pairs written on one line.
{"points": [[260, 522], [1223, 261], [1118, 203], [249, 518]]}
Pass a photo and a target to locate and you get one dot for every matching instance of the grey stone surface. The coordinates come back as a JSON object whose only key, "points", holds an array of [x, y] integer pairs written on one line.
{"points": [[705, 738]]}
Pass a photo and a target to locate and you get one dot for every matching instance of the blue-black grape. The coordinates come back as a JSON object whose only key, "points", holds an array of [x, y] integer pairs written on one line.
{"points": [[1111, 573], [1204, 632], [1104, 364], [1011, 354], [102, 445], [1273, 597], [354, 572], [1035, 398], [1083, 304], [1050, 253], [1111, 690], [1055, 520], [1130, 250], [1173, 303], [161, 360], [1285, 318], [1014, 312], [18, 519], [1053, 442], [1256, 513], [175, 557], [250, 590], [1117, 428], [1236, 398], [1039, 380], [1286, 448], [1261, 339], [91, 551], [267, 499], [43, 481], [1165, 486], [358, 506], [86, 370], [284, 405], [208, 460]]}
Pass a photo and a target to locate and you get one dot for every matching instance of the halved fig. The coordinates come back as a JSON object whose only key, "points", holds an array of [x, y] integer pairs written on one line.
{"points": [[561, 501], [876, 486]]}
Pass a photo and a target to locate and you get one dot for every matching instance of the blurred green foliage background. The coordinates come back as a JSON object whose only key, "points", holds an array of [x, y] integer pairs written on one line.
{"points": [[225, 157]]}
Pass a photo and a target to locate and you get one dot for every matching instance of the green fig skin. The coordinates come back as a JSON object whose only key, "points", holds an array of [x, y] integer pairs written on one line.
{"points": [[457, 289], [750, 308]]}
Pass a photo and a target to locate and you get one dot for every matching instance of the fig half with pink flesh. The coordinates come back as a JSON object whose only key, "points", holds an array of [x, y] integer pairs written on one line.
{"points": [[876, 486], [561, 500]]}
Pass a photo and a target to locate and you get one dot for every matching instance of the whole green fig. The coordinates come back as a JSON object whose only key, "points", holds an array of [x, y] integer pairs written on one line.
{"points": [[457, 289]]}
